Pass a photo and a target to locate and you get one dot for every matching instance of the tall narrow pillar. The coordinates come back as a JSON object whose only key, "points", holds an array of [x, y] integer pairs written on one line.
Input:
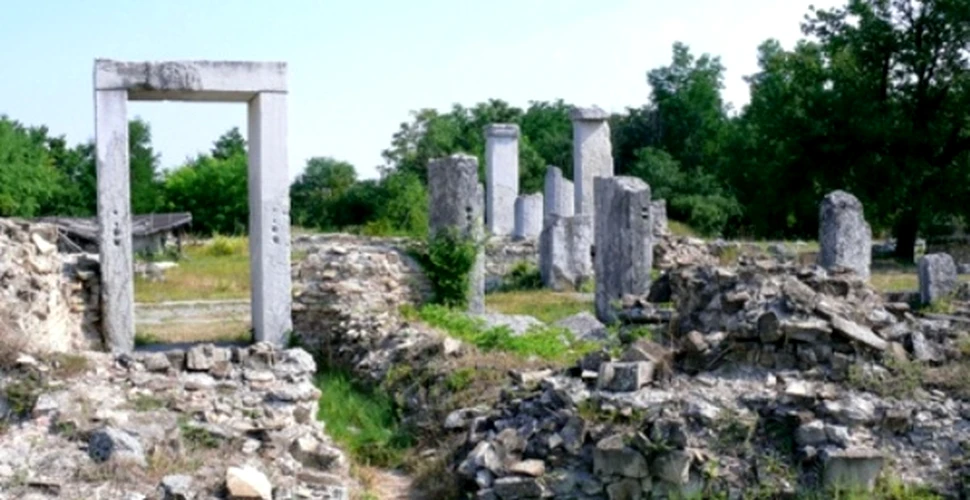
{"points": [[114, 219], [528, 216], [558, 194], [269, 217], [623, 239], [501, 177], [592, 154], [455, 201]]}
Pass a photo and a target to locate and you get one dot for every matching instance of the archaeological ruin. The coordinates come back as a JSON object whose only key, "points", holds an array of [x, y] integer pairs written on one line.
{"points": [[640, 362]]}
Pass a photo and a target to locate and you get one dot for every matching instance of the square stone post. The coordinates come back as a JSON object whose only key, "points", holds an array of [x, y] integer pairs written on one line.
{"points": [[592, 154], [455, 201], [114, 219], [501, 176], [269, 218], [528, 216], [558, 199], [624, 242]]}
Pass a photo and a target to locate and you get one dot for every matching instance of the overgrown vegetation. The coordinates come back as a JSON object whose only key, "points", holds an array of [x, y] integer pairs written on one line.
{"points": [[548, 343], [362, 420], [899, 380], [447, 260], [523, 276]]}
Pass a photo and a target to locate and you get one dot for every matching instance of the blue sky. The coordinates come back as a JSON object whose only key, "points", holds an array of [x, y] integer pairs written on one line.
{"points": [[357, 68]]}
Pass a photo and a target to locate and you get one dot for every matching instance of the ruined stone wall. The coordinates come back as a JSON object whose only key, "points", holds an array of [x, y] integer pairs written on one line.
{"points": [[52, 301], [503, 254]]}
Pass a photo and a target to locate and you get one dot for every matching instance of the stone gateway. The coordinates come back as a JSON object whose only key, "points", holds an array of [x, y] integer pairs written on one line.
{"points": [[262, 86]]}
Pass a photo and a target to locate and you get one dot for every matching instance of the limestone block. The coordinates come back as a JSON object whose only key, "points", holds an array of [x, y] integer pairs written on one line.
{"points": [[528, 216], [558, 194], [845, 238], [937, 277], [565, 246], [592, 154], [501, 176], [658, 214], [624, 242]]}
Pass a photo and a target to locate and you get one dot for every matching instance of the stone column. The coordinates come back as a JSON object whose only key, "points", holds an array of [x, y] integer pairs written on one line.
{"points": [[558, 194], [565, 245], [455, 201], [528, 216], [592, 154], [501, 176], [623, 240], [845, 239], [269, 218], [114, 219], [937, 277]]}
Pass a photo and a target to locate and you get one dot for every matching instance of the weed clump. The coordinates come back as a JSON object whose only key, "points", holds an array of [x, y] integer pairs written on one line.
{"points": [[447, 261]]}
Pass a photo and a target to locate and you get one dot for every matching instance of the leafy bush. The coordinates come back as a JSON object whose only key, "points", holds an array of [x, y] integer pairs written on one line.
{"points": [[447, 262], [222, 246], [522, 276]]}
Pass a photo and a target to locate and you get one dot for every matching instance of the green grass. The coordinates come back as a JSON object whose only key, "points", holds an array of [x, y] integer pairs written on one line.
{"points": [[552, 344], [544, 305], [218, 270], [364, 423]]}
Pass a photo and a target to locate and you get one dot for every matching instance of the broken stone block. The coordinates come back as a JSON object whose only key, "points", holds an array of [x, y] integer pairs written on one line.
{"points": [[518, 487], [531, 467], [673, 467], [858, 333], [204, 357], [845, 238], [811, 434], [109, 443], [937, 277], [584, 326], [625, 489], [177, 487], [247, 482], [612, 457], [855, 469], [625, 376]]}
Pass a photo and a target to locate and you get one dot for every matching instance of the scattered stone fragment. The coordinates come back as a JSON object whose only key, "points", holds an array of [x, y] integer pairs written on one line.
{"points": [[177, 487], [853, 469], [625, 377], [248, 483], [109, 443], [673, 467], [613, 457], [531, 467]]}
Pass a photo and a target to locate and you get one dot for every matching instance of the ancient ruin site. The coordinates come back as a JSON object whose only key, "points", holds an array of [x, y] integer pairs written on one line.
{"points": [[682, 299]]}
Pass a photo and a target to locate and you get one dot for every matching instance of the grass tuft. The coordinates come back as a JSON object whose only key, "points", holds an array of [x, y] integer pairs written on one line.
{"points": [[362, 421], [548, 343]]}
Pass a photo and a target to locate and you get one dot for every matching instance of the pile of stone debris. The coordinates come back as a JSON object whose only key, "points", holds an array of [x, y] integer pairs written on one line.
{"points": [[209, 422], [758, 382]]}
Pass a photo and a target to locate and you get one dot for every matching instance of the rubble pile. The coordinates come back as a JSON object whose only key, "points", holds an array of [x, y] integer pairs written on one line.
{"points": [[200, 423]]}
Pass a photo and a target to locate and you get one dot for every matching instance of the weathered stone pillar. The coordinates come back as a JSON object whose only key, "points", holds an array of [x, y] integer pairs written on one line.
{"points": [[269, 218], [624, 242], [114, 219], [558, 194], [501, 176], [937, 277], [845, 239], [528, 216], [565, 245], [455, 201], [592, 154]]}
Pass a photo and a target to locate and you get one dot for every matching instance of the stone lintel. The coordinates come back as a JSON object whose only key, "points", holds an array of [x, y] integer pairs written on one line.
{"points": [[502, 130], [594, 114], [190, 80]]}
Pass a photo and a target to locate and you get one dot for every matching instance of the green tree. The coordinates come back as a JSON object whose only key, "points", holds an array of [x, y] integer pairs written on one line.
{"points": [[315, 193], [229, 144], [28, 181], [900, 87]]}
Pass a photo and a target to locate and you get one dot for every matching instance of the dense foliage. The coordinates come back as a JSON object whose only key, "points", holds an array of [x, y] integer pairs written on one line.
{"points": [[875, 99]]}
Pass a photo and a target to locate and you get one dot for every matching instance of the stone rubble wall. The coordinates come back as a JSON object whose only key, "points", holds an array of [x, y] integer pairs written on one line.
{"points": [[237, 419], [51, 300], [502, 254]]}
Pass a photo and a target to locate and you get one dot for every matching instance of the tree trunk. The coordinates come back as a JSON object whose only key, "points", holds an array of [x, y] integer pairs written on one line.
{"points": [[905, 230]]}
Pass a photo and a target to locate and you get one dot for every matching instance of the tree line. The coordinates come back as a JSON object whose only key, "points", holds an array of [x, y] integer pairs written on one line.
{"points": [[874, 99]]}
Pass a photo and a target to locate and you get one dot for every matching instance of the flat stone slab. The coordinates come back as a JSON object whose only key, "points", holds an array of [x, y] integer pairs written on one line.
{"points": [[190, 80], [518, 323]]}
